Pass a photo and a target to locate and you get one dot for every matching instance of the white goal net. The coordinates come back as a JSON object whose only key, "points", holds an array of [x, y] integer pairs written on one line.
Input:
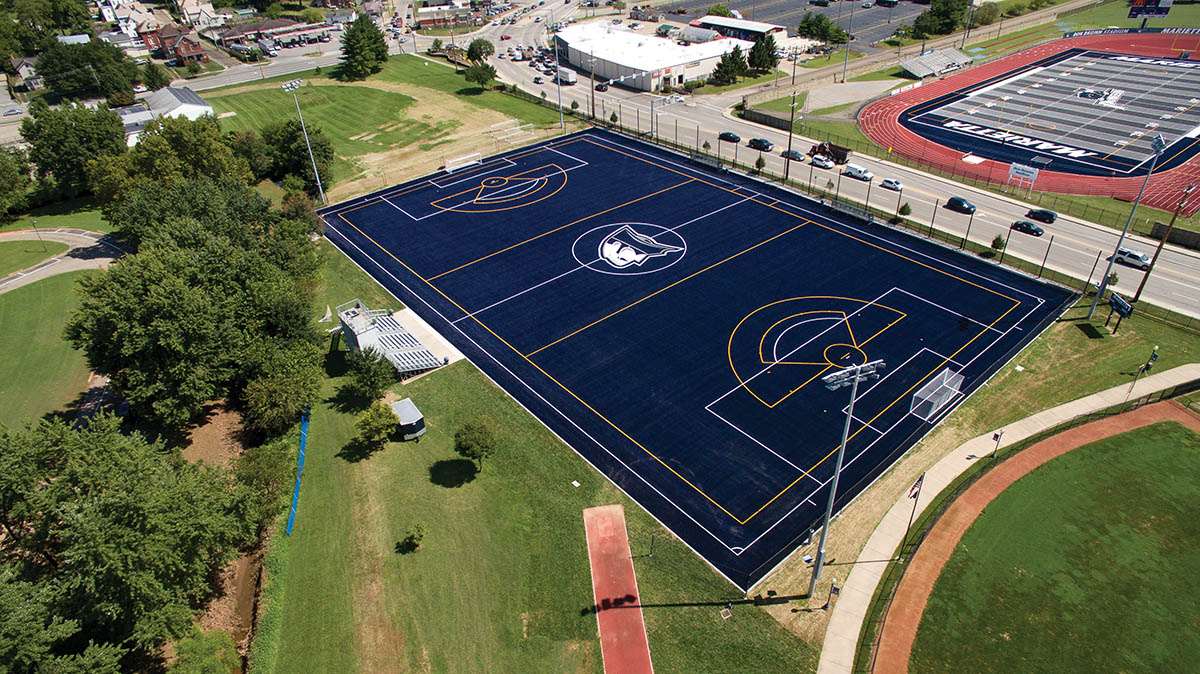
{"points": [[936, 394]]}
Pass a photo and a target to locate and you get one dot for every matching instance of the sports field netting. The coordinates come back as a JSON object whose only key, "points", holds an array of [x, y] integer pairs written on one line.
{"points": [[671, 324], [1080, 111]]}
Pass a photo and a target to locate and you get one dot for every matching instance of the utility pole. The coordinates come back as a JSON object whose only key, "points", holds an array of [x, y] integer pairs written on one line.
{"points": [[787, 163], [1166, 235], [292, 87], [1158, 145], [849, 35]]}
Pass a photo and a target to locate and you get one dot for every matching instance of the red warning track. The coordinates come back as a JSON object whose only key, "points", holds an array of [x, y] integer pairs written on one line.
{"points": [[614, 586], [880, 122]]}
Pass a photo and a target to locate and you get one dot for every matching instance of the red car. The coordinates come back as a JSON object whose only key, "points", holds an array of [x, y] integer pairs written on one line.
{"points": [[505, 37]]}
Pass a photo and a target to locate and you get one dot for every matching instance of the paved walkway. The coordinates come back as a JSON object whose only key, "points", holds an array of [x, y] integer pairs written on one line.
{"points": [[87, 250], [841, 636], [904, 616]]}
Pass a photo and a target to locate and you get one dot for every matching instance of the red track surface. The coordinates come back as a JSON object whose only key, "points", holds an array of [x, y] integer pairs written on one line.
{"points": [[880, 121], [614, 586]]}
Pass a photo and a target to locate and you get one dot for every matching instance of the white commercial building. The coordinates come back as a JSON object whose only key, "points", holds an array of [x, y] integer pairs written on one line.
{"points": [[646, 62]]}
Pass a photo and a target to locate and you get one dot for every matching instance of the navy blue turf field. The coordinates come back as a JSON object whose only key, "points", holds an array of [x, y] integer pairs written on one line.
{"points": [[672, 324]]}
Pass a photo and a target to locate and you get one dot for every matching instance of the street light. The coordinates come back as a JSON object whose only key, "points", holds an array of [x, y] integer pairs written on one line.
{"points": [[851, 375], [1158, 145], [846, 61], [292, 87], [787, 164], [1166, 235]]}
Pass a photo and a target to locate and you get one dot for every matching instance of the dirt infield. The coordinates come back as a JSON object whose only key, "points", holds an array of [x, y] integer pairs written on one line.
{"points": [[614, 585], [904, 617]]}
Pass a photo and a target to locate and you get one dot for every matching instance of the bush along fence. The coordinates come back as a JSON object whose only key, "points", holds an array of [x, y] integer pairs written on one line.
{"points": [[688, 141], [885, 592]]}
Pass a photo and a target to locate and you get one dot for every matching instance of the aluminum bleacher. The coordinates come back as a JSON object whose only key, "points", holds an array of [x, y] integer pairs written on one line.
{"points": [[366, 328], [940, 61]]}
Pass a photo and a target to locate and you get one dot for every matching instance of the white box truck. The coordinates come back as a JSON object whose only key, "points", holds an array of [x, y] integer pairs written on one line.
{"points": [[566, 76]]}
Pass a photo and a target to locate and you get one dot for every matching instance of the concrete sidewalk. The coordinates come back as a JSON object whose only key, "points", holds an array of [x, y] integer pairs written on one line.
{"points": [[86, 250], [845, 624]]}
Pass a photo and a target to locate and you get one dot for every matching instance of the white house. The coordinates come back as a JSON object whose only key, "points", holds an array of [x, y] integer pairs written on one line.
{"points": [[166, 102], [200, 13]]}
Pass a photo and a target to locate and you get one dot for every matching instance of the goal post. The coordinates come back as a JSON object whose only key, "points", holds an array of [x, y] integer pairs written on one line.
{"points": [[464, 161], [938, 392]]}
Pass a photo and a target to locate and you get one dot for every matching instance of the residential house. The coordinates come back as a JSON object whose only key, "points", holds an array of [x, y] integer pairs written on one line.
{"points": [[130, 16], [373, 8], [173, 41], [166, 102], [27, 74], [200, 13], [342, 16], [337, 4], [134, 47], [158, 36]]}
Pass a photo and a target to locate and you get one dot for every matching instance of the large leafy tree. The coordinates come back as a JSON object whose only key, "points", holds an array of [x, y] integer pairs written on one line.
{"points": [[35, 22], [364, 49], [169, 150], [481, 73], [118, 535], [479, 50], [78, 68], [155, 76], [720, 9], [62, 141], [370, 374], [821, 27], [289, 152], [942, 18], [14, 178]]}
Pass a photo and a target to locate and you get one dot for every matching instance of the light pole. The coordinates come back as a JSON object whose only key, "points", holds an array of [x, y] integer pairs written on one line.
{"points": [[1158, 145], [787, 164], [1166, 235], [851, 375], [592, 81], [967, 25], [292, 87], [849, 35], [39, 236], [1144, 367]]}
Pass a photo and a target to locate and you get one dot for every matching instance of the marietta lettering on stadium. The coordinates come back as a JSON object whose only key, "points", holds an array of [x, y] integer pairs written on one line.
{"points": [[1155, 62], [1017, 139]]}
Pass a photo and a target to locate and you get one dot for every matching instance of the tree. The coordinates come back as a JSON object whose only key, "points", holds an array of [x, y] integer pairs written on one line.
{"points": [[99, 516], [707, 146], [289, 382], [273, 10], [479, 50], [762, 54], [155, 76], [986, 15], [415, 535], [264, 477], [435, 47], [731, 66], [364, 49], [193, 68], [906, 210], [29, 625], [474, 441], [619, 5], [94, 66], [14, 178], [574, 106], [370, 373], [289, 152], [760, 163], [312, 15], [205, 652], [613, 117], [253, 149], [942, 18], [719, 10], [169, 150], [821, 27], [481, 74], [998, 243], [62, 141], [375, 425]]}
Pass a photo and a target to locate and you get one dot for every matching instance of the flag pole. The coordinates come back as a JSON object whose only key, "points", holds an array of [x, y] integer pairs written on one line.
{"points": [[915, 497]]}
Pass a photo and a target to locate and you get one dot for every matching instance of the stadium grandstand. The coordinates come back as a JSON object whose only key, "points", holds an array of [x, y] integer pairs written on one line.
{"points": [[366, 328], [935, 63]]}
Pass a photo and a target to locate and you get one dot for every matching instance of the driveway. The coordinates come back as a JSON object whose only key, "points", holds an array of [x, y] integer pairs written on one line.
{"points": [[88, 250]]}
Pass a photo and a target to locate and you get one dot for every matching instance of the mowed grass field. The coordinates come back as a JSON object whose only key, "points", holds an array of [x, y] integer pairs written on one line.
{"points": [[17, 255], [357, 120], [39, 372], [1087, 564], [502, 581]]}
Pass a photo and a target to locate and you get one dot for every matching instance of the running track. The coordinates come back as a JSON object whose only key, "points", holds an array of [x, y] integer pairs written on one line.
{"points": [[880, 122]]}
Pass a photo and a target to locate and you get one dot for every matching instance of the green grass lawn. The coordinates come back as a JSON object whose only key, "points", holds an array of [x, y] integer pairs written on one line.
{"points": [[834, 109], [892, 73], [1087, 564], [1117, 14], [40, 372], [841, 131], [17, 255], [358, 120], [80, 213], [784, 104], [765, 78], [501, 582], [838, 57]]}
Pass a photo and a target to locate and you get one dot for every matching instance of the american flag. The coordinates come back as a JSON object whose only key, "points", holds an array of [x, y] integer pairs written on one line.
{"points": [[915, 490]]}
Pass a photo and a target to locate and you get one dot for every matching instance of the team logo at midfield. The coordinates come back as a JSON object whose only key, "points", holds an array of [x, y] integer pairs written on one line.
{"points": [[628, 247], [1106, 97]]}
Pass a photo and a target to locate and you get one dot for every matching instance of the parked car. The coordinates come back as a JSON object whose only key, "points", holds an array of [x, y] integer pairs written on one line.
{"points": [[821, 161], [505, 37], [761, 144], [729, 137], [1028, 227], [1042, 215], [1132, 258], [960, 205], [792, 155], [891, 184], [538, 80], [602, 87], [13, 112]]}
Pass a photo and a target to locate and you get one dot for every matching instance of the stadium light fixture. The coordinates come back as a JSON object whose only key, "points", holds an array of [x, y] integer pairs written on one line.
{"points": [[847, 377], [1158, 145], [292, 86]]}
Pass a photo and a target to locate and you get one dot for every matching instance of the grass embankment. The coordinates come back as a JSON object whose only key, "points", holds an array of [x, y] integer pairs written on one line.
{"points": [[17, 255], [837, 57], [765, 78], [78, 213], [1096, 543], [40, 372], [501, 582]]}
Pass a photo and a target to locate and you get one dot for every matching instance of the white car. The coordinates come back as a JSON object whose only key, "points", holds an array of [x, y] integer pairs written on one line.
{"points": [[1132, 258], [891, 184], [821, 161]]}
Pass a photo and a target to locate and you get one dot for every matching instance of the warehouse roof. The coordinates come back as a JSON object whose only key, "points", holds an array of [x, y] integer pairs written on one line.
{"points": [[624, 47]]}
